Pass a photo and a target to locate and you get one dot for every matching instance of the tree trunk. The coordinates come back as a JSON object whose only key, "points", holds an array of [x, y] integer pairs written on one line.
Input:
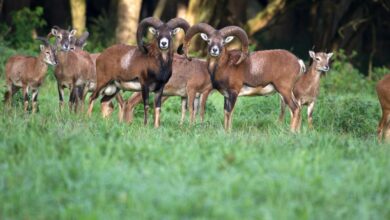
{"points": [[265, 16], [79, 13], [128, 18]]}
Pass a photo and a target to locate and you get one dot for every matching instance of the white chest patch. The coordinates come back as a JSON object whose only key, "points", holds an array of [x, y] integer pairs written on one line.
{"points": [[256, 91], [126, 59]]}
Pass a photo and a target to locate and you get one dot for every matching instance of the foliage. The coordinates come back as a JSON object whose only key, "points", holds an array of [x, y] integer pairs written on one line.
{"points": [[102, 32]]}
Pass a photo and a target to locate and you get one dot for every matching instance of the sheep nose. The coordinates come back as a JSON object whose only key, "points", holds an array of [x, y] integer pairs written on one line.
{"points": [[164, 43], [214, 50]]}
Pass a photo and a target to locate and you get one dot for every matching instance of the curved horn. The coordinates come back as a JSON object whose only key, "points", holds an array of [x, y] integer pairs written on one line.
{"points": [[201, 27], [178, 22], [44, 40], [154, 22], [240, 34]]}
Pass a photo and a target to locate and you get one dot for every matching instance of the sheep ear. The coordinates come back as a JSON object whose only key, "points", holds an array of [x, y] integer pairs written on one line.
{"points": [[204, 36], [175, 31], [42, 47], [312, 54], [54, 31], [152, 30], [228, 39], [329, 55], [73, 32]]}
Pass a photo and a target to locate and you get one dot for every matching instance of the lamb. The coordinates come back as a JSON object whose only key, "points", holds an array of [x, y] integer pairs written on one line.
{"points": [[28, 73], [75, 69], [139, 68], [234, 72], [307, 87]]}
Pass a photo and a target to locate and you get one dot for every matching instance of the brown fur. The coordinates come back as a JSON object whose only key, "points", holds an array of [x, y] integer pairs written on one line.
{"points": [[383, 91], [28, 73], [237, 72], [189, 79], [148, 66], [278, 68], [307, 87], [75, 70]]}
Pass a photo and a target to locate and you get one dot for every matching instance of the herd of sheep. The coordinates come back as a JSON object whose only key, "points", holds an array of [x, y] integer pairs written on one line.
{"points": [[156, 67]]}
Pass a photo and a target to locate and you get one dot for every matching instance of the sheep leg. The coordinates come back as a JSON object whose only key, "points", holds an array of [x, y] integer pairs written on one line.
{"points": [[183, 109], [71, 98], [157, 107], [107, 106], [382, 124], [225, 107], [9, 94], [230, 108], [282, 109], [287, 96], [310, 109], [128, 111], [93, 97], [145, 99], [191, 106], [121, 104], [60, 96], [25, 98], [34, 100], [203, 100], [79, 98], [386, 131]]}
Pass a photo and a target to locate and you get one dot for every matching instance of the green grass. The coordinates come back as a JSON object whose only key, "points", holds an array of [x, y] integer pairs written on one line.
{"points": [[62, 166]]}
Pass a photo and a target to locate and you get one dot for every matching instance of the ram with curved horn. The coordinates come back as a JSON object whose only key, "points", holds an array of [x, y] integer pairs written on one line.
{"points": [[145, 67], [237, 73], [28, 73]]}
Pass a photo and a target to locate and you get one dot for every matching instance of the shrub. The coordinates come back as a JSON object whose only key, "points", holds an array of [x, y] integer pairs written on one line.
{"points": [[24, 23], [345, 78]]}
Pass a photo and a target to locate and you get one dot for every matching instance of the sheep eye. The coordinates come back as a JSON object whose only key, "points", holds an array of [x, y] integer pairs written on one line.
{"points": [[318, 59]]}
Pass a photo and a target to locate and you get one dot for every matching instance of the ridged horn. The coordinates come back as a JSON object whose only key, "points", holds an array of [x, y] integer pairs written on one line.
{"points": [[241, 35], [178, 22], [198, 28], [147, 22]]}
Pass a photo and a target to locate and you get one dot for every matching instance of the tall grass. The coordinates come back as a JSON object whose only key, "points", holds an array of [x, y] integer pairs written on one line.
{"points": [[57, 165]]}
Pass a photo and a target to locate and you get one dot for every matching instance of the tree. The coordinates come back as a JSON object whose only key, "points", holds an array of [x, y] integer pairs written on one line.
{"points": [[263, 18], [78, 10], [128, 18]]}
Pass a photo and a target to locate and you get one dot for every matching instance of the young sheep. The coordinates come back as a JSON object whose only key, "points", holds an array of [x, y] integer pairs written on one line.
{"points": [[234, 72], [383, 92], [75, 69], [28, 73], [307, 87], [144, 68], [189, 79]]}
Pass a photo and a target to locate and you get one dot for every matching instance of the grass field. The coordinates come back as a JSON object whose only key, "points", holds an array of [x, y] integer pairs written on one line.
{"points": [[61, 166], [57, 165]]}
